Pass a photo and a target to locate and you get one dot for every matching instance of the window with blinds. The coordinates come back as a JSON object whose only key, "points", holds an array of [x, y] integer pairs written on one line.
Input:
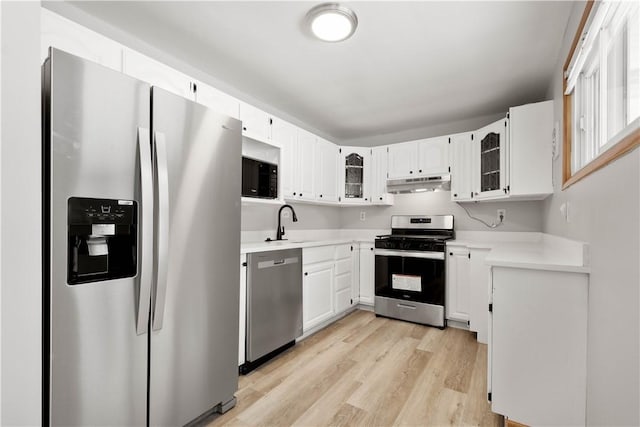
{"points": [[602, 88]]}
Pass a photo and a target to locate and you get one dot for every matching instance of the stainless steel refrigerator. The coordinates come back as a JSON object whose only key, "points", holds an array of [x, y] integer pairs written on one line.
{"points": [[141, 200]]}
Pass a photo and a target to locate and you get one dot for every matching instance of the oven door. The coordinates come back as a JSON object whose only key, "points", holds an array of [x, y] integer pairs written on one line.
{"points": [[412, 276]]}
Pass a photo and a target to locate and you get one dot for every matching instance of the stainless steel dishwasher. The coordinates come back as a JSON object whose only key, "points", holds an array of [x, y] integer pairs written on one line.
{"points": [[274, 304]]}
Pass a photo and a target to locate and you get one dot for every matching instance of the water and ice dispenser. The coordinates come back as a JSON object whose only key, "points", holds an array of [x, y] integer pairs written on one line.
{"points": [[102, 239]]}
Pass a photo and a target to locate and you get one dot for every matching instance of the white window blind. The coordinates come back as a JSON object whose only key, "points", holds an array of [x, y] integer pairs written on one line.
{"points": [[604, 78]]}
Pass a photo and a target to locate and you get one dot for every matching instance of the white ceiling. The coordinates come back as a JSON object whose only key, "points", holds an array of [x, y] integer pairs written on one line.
{"points": [[410, 68]]}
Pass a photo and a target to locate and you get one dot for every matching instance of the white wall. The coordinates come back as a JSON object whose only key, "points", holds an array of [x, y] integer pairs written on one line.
{"points": [[20, 226], [310, 217], [520, 216], [604, 210]]}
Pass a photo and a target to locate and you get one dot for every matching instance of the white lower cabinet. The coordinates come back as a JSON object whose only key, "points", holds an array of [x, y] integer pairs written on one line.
{"points": [[317, 293], [479, 283], [243, 309], [457, 297], [538, 346], [344, 278], [367, 273]]}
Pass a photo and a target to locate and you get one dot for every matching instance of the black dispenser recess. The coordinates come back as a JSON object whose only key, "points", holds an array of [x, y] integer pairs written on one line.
{"points": [[102, 239]]}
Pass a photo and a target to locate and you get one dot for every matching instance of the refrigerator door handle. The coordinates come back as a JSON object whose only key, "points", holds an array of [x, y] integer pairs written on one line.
{"points": [[162, 227], [146, 233]]}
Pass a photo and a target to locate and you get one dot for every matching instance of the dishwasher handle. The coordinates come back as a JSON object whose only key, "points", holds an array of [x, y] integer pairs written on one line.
{"points": [[278, 262]]}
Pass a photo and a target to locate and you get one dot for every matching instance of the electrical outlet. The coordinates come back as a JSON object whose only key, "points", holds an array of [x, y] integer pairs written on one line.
{"points": [[501, 215], [363, 215], [285, 214]]}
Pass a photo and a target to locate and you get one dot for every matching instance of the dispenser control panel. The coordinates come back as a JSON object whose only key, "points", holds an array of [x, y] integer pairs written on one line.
{"points": [[102, 243]]}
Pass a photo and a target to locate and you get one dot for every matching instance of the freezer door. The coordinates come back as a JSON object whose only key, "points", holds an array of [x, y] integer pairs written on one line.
{"points": [[194, 341], [94, 119]]}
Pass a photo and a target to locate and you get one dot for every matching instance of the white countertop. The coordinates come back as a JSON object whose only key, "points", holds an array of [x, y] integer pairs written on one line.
{"points": [[276, 245]]}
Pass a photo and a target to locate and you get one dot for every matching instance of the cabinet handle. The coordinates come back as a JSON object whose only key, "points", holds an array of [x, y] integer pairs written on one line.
{"points": [[371, 248], [306, 274], [244, 128], [321, 196], [451, 253], [410, 171], [380, 198], [455, 195], [294, 194], [420, 171], [300, 194], [365, 199]]}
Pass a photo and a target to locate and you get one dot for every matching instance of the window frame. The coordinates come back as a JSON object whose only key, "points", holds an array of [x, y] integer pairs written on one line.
{"points": [[619, 149]]}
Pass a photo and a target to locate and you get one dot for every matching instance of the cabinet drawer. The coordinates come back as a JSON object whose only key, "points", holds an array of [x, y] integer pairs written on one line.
{"points": [[343, 282], [343, 251], [317, 254], [343, 266]]}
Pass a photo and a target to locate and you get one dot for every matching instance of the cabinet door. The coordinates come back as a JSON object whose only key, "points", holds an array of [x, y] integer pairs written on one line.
{"points": [[403, 160], [157, 74], [479, 294], [286, 135], [367, 271], [243, 309], [317, 294], [343, 299], [307, 165], [461, 174], [355, 179], [378, 174], [217, 100], [327, 177], [433, 156], [73, 38], [458, 285], [491, 177], [256, 124], [355, 279]]}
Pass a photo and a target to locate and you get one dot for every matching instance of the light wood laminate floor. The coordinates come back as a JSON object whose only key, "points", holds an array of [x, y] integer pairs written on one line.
{"points": [[369, 371]]}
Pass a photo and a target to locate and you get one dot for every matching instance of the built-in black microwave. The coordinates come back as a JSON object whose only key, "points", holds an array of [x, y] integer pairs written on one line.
{"points": [[259, 179]]}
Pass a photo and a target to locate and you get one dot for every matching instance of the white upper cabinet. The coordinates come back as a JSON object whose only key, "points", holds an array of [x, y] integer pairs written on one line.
{"points": [[424, 157], [285, 135], [530, 134], [326, 184], [491, 169], [217, 100], [433, 156], [379, 195], [355, 171], [461, 167], [156, 73], [403, 160], [256, 124], [70, 37], [306, 165]]}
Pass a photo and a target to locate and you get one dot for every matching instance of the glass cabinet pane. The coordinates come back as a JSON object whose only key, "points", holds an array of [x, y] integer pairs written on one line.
{"points": [[490, 162], [354, 167]]}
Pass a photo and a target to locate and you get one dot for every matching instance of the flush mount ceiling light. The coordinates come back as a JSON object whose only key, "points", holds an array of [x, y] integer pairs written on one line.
{"points": [[331, 22]]}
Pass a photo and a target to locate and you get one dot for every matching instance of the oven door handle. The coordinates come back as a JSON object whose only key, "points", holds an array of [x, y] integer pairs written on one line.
{"points": [[411, 254]]}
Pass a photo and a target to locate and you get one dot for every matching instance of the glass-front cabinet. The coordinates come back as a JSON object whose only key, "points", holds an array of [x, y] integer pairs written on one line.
{"points": [[355, 175], [491, 147]]}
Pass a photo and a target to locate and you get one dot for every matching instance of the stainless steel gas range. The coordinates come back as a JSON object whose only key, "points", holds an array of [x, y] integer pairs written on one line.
{"points": [[410, 269]]}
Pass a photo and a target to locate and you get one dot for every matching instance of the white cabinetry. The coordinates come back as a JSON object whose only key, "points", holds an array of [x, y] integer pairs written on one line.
{"points": [[367, 273], [538, 346], [326, 177], [433, 156], [243, 309], [355, 171], [461, 167], [355, 271], [403, 160], [458, 284], [530, 129], [306, 165], [256, 124], [217, 100], [344, 277], [479, 282], [157, 74], [491, 169], [424, 157], [285, 135], [317, 292], [379, 195], [75, 39]]}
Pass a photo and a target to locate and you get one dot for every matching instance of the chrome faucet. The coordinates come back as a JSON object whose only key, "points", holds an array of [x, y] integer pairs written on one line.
{"points": [[280, 232]]}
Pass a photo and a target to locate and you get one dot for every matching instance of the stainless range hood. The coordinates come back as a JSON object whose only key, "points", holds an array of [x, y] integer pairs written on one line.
{"points": [[419, 185]]}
